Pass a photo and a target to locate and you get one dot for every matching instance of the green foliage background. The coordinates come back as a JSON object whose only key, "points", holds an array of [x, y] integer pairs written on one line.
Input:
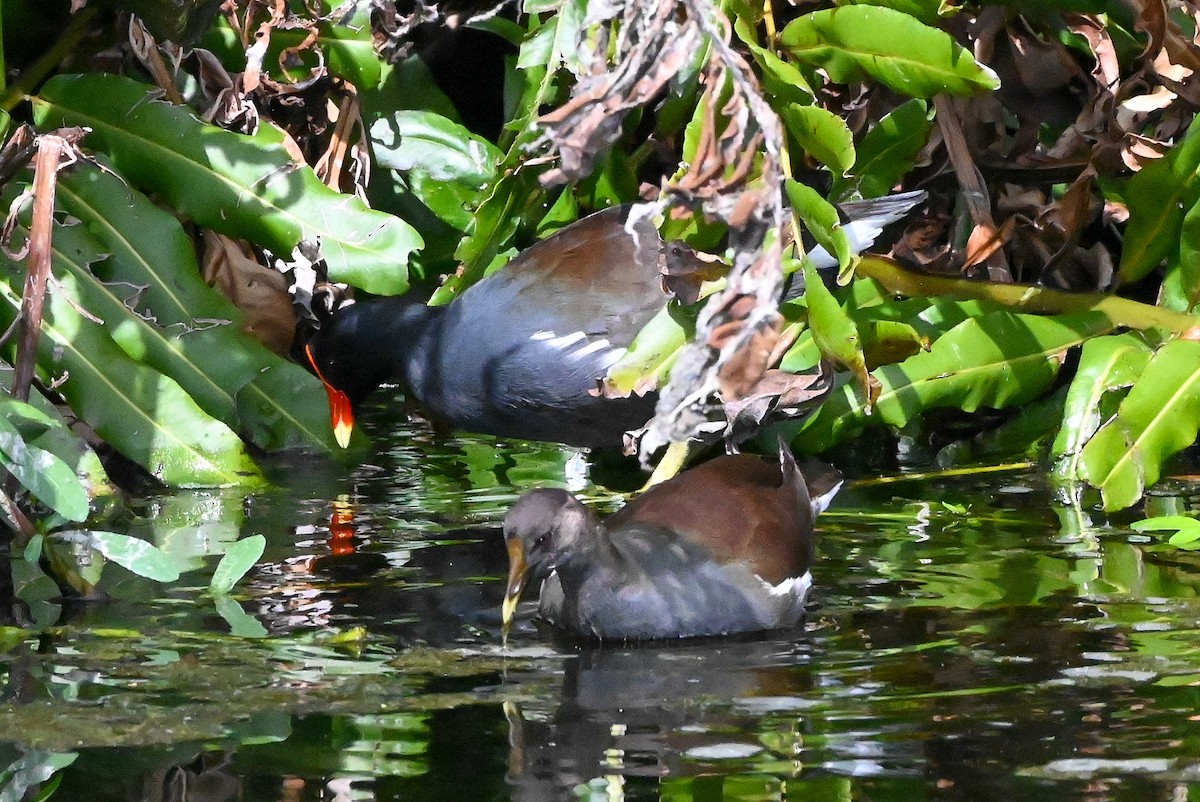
{"points": [[154, 361]]}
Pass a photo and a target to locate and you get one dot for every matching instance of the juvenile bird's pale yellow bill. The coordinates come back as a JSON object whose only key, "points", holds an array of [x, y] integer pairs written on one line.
{"points": [[517, 568]]}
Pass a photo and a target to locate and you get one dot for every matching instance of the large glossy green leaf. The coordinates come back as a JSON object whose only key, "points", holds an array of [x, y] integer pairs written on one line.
{"points": [[1159, 417], [444, 164], [143, 414], [1106, 364], [239, 185], [157, 308], [856, 42], [1158, 197], [998, 360], [51, 480]]}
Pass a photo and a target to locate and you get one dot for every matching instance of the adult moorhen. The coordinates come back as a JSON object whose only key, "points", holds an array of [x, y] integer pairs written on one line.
{"points": [[521, 353], [722, 548]]}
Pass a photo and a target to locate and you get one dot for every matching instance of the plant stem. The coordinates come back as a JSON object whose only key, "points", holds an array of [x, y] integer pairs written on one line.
{"points": [[50, 150], [1024, 298], [32, 76]]}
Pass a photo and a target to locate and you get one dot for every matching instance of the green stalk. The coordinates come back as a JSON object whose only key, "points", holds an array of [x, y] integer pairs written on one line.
{"points": [[1024, 298], [37, 72]]}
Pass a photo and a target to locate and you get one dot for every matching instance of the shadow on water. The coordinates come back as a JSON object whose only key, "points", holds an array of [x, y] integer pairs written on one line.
{"points": [[967, 640]]}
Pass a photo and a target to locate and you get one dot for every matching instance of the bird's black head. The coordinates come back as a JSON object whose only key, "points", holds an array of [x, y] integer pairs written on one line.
{"points": [[362, 346]]}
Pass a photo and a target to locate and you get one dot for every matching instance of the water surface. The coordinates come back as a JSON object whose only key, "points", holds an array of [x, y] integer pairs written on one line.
{"points": [[968, 639]]}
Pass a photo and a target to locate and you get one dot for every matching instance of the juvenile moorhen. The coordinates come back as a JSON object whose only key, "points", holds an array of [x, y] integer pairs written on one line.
{"points": [[520, 353], [722, 548]]}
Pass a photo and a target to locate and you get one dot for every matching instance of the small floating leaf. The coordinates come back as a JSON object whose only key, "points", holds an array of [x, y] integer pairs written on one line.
{"points": [[1186, 530], [238, 559]]}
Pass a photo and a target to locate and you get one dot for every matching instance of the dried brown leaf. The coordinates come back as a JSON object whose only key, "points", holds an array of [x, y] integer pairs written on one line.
{"points": [[974, 190], [259, 292], [657, 41]]}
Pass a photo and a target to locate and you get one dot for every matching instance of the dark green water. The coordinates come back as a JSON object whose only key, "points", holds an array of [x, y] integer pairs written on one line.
{"points": [[968, 639]]}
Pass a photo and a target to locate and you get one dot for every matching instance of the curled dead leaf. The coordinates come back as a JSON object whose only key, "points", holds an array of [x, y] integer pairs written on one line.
{"points": [[259, 292]]}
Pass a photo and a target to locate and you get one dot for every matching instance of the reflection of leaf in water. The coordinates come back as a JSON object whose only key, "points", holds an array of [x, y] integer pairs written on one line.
{"points": [[34, 767], [191, 525], [241, 623]]}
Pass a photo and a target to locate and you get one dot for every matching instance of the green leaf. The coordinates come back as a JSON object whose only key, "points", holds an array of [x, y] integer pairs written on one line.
{"points": [[239, 558], [63, 443], [495, 224], [1186, 530], [446, 166], [822, 134], [158, 309], [1159, 197], [142, 558], [927, 11], [33, 549], [834, 332], [50, 479], [73, 562], [143, 414], [516, 193], [855, 42], [821, 219], [349, 44], [181, 21], [1159, 417], [238, 185], [885, 342], [1185, 537], [648, 360], [12, 637], [1181, 284], [998, 360], [1166, 523], [889, 150], [34, 768], [783, 81], [1106, 364]]}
